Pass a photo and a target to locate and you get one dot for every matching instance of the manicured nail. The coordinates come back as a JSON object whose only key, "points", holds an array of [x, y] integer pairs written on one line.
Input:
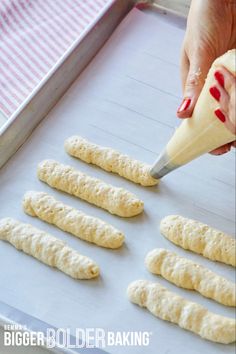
{"points": [[220, 78], [226, 149], [215, 92], [220, 115], [142, 6], [184, 105], [221, 153]]}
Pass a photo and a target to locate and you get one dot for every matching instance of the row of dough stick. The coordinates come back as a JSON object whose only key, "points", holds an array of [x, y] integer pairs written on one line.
{"points": [[186, 233], [156, 298], [118, 201], [211, 243]]}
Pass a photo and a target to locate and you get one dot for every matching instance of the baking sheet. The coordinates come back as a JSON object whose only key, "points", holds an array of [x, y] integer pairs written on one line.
{"points": [[3, 119], [18, 319], [21, 350], [126, 98]]}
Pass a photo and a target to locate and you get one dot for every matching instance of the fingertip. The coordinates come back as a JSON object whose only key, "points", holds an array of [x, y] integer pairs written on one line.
{"points": [[185, 114], [219, 78], [217, 153], [185, 109], [221, 150], [215, 92]]}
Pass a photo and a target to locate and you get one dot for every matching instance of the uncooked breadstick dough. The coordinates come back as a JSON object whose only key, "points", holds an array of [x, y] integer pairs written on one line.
{"points": [[110, 160], [69, 219], [65, 178], [190, 275], [47, 249], [199, 238], [188, 315]]}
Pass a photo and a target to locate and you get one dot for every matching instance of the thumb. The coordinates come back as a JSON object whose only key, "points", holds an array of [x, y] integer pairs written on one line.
{"points": [[199, 66]]}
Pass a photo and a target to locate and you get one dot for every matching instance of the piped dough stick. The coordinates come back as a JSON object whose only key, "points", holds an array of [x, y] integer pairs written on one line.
{"points": [[188, 315], [199, 238], [110, 160], [69, 219], [65, 178], [189, 275], [47, 249]]}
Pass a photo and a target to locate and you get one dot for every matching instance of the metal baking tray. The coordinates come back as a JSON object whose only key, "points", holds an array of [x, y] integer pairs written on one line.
{"points": [[3, 119], [18, 319], [125, 98]]}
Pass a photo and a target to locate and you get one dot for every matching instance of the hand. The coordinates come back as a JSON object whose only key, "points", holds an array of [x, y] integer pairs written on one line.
{"points": [[224, 92], [211, 31]]}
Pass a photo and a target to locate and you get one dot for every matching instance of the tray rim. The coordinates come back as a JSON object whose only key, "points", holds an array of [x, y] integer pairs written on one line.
{"points": [[15, 131], [55, 67]]}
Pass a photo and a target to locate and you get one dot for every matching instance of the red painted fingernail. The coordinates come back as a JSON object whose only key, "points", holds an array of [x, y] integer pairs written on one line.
{"points": [[220, 78], [184, 105], [226, 149], [142, 5], [220, 115], [215, 92]]}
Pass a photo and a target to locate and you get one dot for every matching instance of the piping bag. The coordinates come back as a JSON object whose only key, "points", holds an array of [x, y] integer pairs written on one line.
{"points": [[201, 133]]}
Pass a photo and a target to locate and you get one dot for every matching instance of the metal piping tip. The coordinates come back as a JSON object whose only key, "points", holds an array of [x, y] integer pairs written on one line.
{"points": [[162, 166]]}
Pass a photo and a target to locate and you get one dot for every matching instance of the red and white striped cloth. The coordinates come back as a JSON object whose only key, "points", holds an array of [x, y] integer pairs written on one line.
{"points": [[34, 34]]}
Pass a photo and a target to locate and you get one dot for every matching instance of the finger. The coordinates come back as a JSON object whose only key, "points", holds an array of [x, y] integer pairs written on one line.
{"points": [[198, 69], [229, 84], [220, 95], [226, 102], [184, 67], [222, 149], [225, 79]]}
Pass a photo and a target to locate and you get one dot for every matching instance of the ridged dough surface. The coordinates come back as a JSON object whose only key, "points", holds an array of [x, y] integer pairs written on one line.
{"points": [[47, 249], [65, 178], [188, 315], [69, 219], [189, 275], [110, 160], [200, 238]]}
